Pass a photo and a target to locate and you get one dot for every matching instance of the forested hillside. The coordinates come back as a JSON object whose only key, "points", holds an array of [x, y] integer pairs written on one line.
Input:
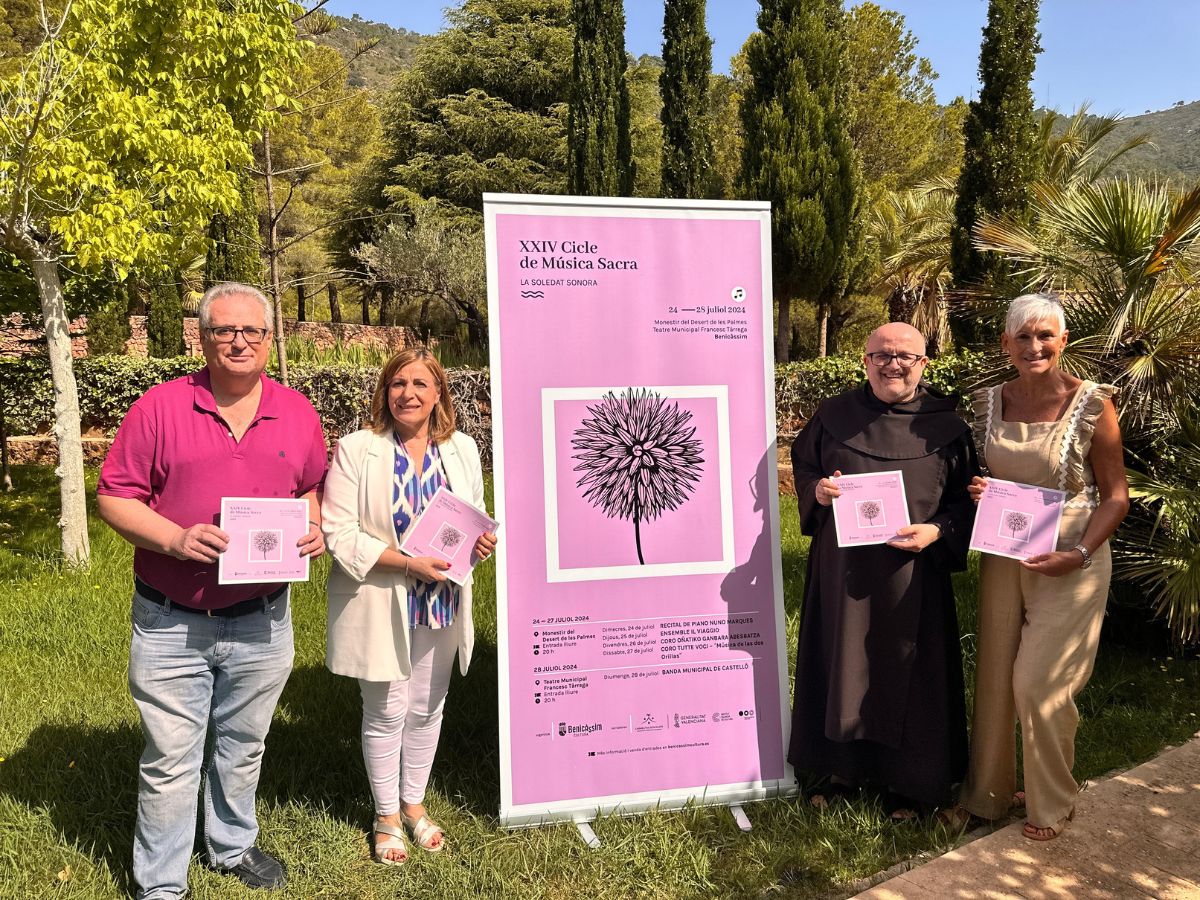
{"points": [[376, 69], [1175, 132]]}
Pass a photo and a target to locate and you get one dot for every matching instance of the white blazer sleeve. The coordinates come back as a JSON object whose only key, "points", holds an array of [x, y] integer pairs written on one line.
{"points": [[475, 468], [355, 550]]}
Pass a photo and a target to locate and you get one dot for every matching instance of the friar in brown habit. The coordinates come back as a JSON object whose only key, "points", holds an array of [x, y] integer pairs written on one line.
{"points": [[879, 682]]}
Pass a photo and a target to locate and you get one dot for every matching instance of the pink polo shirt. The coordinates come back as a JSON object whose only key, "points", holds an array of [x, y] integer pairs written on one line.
{"points": [[175, 453]]}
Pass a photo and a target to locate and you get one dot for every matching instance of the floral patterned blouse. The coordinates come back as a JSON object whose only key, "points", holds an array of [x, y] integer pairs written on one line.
{"points": [[430, 603]]}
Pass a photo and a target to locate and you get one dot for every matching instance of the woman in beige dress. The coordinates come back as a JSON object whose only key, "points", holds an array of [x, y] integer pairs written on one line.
{"points": [[1039, 618]]}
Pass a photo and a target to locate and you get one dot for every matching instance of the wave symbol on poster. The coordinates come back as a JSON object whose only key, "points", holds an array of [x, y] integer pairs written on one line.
{"points": [[639, 457], [529, 294]]}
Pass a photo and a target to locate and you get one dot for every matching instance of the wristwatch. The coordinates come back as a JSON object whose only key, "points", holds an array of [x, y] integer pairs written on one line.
{"points": [[1087, 557]]}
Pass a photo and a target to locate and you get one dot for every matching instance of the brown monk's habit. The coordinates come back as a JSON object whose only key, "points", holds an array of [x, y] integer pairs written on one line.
{"points": [[879, 684]]}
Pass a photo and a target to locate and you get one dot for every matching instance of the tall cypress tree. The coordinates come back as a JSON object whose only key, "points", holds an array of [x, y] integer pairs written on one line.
{"points": [[599, 153], [233, 255], [797, 151], [1000, 155], [687, 62], [164, 320]]}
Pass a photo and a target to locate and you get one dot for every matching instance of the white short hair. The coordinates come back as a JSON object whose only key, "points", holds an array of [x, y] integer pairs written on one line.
{"points": [[235, 289], [1031, 308]]}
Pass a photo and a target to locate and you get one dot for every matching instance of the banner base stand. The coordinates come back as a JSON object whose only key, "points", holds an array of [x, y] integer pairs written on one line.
{"points": [[587, 835], [740, 817]]}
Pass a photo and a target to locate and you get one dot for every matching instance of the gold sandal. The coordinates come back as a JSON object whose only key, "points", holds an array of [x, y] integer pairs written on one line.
{"points": [[423, 830], [394, 842]]}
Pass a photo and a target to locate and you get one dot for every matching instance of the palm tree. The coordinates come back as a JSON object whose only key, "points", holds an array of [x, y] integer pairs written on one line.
{"points": [[1162, 549], [1069, 149], [911, 230]]}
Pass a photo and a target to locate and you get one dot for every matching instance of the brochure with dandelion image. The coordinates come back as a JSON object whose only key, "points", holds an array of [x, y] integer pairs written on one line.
{"points": [[448, 530], [263, 534], [1017, 520], [870, 509]]}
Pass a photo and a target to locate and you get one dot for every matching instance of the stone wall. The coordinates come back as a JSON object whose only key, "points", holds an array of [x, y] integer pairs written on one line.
{"points": [[18, 337]]}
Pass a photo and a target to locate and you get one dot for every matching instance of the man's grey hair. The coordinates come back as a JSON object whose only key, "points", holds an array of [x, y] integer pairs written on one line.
{"points": [[234, 289], [1032, 308]]}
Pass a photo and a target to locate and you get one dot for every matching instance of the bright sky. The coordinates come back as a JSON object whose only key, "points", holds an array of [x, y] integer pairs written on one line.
{"points": [[1124, 56]]}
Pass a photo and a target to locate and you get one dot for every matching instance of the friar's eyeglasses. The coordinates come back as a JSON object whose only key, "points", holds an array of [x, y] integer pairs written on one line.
{"points": [[908, 360]]}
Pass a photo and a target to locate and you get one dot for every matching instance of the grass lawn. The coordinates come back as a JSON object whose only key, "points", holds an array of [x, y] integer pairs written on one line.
{"points": [[70, 739]]}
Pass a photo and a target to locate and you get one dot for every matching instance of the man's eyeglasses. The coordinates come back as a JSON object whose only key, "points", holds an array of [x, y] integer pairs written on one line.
{"points": [[226, 334], [907, 360]]}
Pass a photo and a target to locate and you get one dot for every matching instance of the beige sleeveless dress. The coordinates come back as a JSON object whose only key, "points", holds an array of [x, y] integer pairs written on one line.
{"points": [[1037, 635]]}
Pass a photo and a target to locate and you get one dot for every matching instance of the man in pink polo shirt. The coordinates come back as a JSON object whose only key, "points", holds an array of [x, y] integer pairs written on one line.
{"points": [[201, 651]]}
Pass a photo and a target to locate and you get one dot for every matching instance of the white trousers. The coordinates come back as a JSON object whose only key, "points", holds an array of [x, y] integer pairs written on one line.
{"points": [[403, 719]]}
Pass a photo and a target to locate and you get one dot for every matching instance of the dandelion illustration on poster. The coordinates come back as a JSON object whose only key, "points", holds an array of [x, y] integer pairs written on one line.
{"points": [[1015, 525], [638, 457], [870, 513], [449, 540], [268, 544]]}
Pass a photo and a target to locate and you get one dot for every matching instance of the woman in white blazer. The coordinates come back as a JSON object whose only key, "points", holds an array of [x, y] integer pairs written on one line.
{"points": [[395, 623]]}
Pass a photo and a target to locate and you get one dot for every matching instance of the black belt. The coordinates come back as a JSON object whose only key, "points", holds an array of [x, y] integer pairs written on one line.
{"points": [[245, 607]]}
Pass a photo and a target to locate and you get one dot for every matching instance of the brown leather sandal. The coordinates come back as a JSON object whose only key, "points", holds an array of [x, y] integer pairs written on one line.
{"points": [[1047, 832]]}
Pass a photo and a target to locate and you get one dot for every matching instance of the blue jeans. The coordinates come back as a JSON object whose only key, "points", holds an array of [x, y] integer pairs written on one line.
{"points": [[188, 671]]}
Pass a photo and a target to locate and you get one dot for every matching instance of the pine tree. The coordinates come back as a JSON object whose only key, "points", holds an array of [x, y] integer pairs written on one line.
{"points": [[599, 153], [233, 255], [164, 321], [687, 61], [797, 151], [1000, 154]]}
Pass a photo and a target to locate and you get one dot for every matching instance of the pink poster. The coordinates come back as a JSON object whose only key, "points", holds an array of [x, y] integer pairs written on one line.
{"points": [[639, 587], [870, 509], [1017, 520], [448, 530], [263, 534]]}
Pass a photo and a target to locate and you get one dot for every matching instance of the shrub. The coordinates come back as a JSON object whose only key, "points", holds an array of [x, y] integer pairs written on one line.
{"points": [[341, 391], [801, 386], [109, 385]]}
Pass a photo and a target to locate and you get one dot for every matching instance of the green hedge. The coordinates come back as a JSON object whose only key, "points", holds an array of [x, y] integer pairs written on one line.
{"points": [[800, 386], [108, 386]]}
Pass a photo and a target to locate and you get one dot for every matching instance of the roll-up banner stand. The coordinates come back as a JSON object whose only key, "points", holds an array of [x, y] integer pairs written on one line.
{"points": [[639, 586]]}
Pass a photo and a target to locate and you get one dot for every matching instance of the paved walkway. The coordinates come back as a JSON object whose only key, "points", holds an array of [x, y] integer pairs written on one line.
{"points": [[1135, 835]]}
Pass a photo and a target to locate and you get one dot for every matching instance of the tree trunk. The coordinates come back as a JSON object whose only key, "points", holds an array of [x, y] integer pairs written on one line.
{"points": [[387, 316], [67, 434], [273, 258], [335, 306], [837, 321], [4, 473], [367, 294], [301, 296], [423, 319], [783, 329], [137, 303], [822, 329]]}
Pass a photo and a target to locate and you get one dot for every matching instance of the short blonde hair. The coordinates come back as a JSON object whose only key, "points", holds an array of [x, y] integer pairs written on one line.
{"points": [[1031, 308], [442, 420]]}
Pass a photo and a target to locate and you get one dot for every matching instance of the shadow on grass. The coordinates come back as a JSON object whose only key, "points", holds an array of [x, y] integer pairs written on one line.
{"points": [[29, 513], [85, 778], [314, 752]]}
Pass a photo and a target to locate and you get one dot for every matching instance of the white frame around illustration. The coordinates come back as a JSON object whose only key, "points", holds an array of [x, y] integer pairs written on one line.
{"points": [[555, 572]]}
